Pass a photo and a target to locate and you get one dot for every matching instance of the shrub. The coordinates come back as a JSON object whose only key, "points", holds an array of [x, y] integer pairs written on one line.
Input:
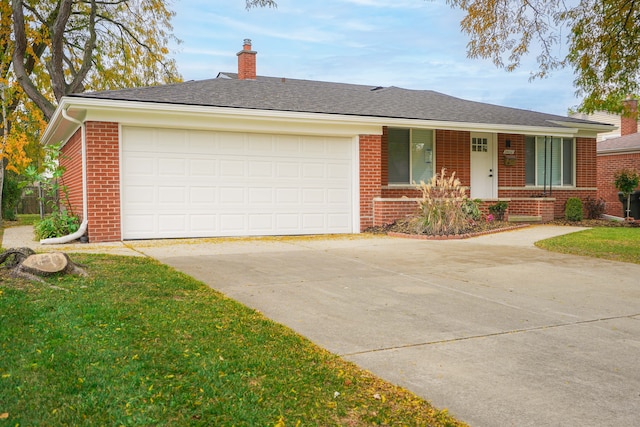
{"points": [[471, 208], [498, 209], [441, 209], [55, 225], [11, 193], [595, 207], [573, 209]]}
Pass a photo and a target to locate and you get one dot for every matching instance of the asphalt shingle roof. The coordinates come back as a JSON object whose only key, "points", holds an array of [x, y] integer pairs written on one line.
{"points": [[291, 95], [625, 143]]}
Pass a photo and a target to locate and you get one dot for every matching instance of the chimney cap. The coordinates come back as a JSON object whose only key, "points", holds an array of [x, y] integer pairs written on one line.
{"points": [[247, 42]]}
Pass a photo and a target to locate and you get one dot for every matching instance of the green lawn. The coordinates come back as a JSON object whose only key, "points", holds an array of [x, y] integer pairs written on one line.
{"points": [[138, 343], [613, 243]]}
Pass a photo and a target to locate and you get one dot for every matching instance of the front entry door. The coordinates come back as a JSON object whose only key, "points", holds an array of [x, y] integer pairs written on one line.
{"points": [[483, 166]]}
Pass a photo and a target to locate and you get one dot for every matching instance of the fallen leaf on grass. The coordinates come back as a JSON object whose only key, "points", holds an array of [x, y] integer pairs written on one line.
{"points": [[4, 416]]}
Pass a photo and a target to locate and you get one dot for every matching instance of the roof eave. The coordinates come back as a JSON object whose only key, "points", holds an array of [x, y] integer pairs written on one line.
{"points": [[60, 129], [85, 108], [595, 127]]}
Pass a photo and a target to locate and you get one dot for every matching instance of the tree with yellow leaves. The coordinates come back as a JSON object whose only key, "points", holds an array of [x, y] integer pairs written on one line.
{"points": [[600, 39]]}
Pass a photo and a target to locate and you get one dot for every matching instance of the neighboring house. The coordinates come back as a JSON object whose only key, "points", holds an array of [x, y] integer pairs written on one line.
{"points": [[616, 154], [605, 117], [242, 154]]}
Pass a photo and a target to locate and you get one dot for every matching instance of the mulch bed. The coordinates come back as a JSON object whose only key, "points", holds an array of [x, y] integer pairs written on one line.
{"points": [[402, 228]]}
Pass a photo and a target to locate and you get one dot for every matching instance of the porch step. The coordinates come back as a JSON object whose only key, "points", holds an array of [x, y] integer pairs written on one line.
{"points": [[525, 218]]}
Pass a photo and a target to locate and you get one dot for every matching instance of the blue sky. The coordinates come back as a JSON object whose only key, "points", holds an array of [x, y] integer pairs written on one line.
{"points": [[414, 44]]}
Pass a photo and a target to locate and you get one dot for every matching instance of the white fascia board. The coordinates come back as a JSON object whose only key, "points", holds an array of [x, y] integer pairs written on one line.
{"points": [[60, 129], [131, 113], [479, 127]]}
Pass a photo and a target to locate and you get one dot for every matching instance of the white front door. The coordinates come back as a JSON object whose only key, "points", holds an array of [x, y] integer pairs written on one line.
{"points": [[483, 166]]}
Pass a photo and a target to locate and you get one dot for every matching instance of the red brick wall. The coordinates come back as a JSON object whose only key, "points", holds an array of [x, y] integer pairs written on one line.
{"points": [[586, 164], [608, 165], [103, 181], [71, 161], [370, 176], [386, 211], [453, 152], [559, 195], [511, 176]]}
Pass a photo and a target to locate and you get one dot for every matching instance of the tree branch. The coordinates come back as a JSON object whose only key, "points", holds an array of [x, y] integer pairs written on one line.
{"points": [[19, 62]]}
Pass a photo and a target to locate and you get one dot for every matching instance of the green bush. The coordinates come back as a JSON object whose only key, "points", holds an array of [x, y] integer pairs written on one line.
{"points": [[56, 225], [441, 209], [471, 208], [595, 207], [498, 210], [573, 209], [11, 193]]}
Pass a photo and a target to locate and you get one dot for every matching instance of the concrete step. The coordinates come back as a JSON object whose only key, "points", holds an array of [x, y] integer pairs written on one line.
{"points": [[525, 218]]}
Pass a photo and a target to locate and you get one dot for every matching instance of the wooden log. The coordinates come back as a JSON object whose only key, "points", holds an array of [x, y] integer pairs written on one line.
{"points": [[50, 263]]}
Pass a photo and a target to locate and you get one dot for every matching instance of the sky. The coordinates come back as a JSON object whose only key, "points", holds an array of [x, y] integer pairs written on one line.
{"points": [[413, 44]]}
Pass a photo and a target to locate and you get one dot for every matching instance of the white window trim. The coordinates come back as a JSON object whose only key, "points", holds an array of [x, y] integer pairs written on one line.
{"points": [[573, 166]]}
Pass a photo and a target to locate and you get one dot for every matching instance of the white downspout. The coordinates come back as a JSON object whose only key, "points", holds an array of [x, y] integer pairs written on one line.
{"points": [[85, 210]]}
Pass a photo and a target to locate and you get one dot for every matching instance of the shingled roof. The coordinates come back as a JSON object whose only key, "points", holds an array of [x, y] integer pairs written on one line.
{"points": [[291, 95], [621, 144]]}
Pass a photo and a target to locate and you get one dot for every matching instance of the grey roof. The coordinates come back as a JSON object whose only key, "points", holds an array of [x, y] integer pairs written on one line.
{"points": [[624, 143], [280, 94]]}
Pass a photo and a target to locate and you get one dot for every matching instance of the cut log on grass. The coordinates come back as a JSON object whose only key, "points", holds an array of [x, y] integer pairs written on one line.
{"points": [[50, 263], [25, 263]]}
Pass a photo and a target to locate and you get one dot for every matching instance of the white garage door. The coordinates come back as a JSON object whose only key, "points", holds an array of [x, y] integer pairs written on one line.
{"points": [[185, 183]]}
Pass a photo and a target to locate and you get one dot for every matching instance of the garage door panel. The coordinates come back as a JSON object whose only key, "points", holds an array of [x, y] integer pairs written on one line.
{"points": [[231, 143], [261, 169], [202, 223], [202, 195], [202, 142], [171, 195], [139, 165], [174, 223], [287, 170], [229, 184], [139, 194], [232, 195], [172, 167], [232, 168], [261, 195], [202, 168]]}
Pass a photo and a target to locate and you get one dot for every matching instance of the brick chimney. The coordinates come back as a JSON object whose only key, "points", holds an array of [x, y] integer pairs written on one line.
{"points": [[629, 119], [247, 62]]}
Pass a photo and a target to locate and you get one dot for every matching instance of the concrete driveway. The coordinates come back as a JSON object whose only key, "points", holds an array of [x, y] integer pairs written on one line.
{"points": [[497, 331]]}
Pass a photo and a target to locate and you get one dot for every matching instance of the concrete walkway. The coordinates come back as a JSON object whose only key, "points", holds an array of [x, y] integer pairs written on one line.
{"points": [[497, 331]]}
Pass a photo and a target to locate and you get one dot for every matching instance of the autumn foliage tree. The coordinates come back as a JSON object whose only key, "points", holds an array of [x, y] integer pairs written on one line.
{"points": [[52, 48], [602, 39]]}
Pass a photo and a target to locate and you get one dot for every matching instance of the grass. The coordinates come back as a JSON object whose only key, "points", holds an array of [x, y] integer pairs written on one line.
{"points": [[138, 343], [23, 219], [612, 243]]}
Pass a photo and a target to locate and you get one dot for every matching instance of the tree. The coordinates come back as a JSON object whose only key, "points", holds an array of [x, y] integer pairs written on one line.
{"points": [[52, 48], [66, 46], [626, 180], [603, 39]]}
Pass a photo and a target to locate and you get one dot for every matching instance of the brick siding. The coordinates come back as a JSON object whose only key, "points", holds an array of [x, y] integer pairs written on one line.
{"points": [[71, 161], [608, 165], [370, 147], [103, 181]]}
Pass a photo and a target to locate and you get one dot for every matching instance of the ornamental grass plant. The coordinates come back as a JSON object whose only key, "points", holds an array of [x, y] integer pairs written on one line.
{"points": [[441, 209]]}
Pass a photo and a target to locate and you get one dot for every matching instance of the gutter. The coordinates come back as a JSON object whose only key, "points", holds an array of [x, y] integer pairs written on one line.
{"points": [[85, 210]]}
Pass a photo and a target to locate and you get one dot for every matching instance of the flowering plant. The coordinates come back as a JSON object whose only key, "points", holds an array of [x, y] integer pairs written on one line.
{"points": [[490, 218]]}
